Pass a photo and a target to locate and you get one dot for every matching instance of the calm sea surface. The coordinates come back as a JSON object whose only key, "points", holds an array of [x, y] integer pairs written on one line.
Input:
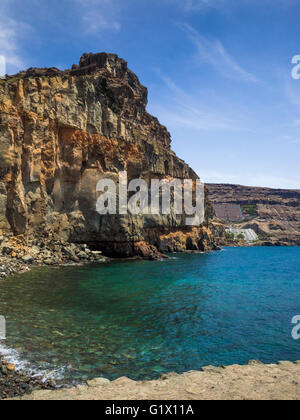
{"points": [[140, 319]]}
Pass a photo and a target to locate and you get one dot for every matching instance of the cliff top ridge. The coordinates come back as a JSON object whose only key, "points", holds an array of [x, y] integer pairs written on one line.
{"points": [[89, 63]]}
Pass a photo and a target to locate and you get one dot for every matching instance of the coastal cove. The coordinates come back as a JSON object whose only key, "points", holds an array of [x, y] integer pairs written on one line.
{"points": [[142, 319]]}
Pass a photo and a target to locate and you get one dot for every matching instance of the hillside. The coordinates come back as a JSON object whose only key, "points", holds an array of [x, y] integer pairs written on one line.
{"points": [[274, 214]]}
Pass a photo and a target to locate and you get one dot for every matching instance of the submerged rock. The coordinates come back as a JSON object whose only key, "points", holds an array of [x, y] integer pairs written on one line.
{"points": [[28, 259]]}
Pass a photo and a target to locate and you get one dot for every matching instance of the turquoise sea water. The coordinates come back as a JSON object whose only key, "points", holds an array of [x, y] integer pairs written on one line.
{"points": [[142, 318]]}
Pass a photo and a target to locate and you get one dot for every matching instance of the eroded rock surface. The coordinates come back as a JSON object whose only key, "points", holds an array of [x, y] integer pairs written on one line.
{"points": [[62, 131], [255, 381]]}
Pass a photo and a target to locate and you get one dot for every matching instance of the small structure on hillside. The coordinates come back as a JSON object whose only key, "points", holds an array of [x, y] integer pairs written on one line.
{"points": [[247, 234]]}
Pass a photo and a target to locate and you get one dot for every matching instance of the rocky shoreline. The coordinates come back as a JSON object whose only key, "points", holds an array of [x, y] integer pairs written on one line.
{"points": [[18, 255], [223, 243], [15, 384], [258, 381], [255, 381]]}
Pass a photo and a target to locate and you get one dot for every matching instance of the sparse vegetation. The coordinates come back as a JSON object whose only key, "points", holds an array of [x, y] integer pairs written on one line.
{"points": [[229, 236], [241, 237], [264, 236], [250, 210]]}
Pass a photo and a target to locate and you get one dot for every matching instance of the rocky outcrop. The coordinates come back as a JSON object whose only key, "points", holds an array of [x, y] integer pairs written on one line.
{"points": [[19, 254], [62, 131], [274, 214], [14, 384], [254, 381]]}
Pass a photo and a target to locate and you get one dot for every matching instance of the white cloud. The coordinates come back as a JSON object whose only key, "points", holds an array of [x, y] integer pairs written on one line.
{"points": [[12, 32], [9, 42], [99, 15], [212, 51]]}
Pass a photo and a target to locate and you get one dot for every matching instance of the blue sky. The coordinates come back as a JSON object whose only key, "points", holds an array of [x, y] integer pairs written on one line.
{"points": [[218, 72]]}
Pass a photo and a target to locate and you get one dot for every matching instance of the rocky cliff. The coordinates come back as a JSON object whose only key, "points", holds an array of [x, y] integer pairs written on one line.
{"points": [[274, 214], [62, 131]]}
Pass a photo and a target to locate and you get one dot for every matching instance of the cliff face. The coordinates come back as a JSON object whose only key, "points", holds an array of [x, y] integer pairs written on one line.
{"points": [[273, 213], [62, 131]]}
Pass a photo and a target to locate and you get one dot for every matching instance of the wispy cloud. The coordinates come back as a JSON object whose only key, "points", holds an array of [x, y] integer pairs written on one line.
{"points": [[212, 52], [12, 32], [182, 109], [99, 15], [226, 6], [195, 5]]}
